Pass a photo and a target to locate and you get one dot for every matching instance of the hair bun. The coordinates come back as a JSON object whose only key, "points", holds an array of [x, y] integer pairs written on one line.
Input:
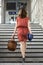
{"points": [[23, 6]]}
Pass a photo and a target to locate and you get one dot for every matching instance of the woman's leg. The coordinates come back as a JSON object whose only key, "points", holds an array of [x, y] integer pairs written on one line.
{"points": [[23, 48]]}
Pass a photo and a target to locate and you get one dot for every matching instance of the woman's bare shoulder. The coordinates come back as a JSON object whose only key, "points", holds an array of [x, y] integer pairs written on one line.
{"points": [[28, 18]]}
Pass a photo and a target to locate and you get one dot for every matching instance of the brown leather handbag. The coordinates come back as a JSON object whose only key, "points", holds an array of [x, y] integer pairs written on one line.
{"points": [[12, 45]]}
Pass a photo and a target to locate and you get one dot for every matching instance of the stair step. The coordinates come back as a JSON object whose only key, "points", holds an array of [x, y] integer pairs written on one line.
{"points": [[36, 29], [12, 26], [16, 34], [32, 26], [28, 46], [31, 63], [2, 37], [29, 43], [34, 49], [41, 39], [7, 37], [19, 55], [19, 60], [18, 50]]}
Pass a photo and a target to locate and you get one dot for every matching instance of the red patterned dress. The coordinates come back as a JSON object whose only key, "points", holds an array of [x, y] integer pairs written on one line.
{"points": [[22, 28]]}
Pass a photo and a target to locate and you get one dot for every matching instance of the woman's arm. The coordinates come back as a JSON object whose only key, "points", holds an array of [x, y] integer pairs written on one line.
{"points": [[14, 31], [29, 27]]}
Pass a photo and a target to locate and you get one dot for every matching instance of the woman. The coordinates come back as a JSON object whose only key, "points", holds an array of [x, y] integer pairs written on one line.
{"points": [[23, 28]]}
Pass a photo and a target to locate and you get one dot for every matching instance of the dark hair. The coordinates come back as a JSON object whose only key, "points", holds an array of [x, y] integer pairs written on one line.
{"points": [[23, 13]]}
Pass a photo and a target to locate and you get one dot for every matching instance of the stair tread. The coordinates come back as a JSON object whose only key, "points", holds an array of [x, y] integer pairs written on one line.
{"points": [[20, 59], [16, 33], [29, 43], [28, 47], [19, 55], [18, 50], [7, 37], [39, 39]]}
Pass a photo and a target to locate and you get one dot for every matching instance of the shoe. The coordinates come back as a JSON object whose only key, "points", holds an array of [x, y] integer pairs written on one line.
{"points": [[23, 60]]}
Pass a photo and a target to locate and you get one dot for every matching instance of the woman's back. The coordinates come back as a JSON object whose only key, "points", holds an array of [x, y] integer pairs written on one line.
{"points": [[22, 21]]}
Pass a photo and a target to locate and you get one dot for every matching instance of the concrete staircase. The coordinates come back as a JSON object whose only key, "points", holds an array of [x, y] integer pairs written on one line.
{"points": [[34, 49]]}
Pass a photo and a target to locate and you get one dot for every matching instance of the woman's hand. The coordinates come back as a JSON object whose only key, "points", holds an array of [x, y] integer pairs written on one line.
{"points": [[12, 37], [30, 32]]}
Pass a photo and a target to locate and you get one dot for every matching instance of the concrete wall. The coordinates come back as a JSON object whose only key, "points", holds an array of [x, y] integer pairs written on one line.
{"points": [[3, 12], [40, 12], [34, 11], [37, 14]]}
